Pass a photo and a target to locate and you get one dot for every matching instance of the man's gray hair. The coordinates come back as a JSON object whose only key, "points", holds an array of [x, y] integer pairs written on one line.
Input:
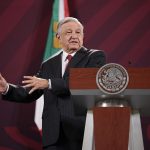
{"points": [[66, 20]]}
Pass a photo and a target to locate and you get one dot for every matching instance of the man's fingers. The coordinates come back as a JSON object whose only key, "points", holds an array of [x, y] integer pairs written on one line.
{"points": [[28, 85], [27, 81], [34, 83], [32, 90], [28, 77]]}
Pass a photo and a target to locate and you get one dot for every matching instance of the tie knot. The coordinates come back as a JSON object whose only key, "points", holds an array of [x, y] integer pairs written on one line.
{"points": [[69, 57]]}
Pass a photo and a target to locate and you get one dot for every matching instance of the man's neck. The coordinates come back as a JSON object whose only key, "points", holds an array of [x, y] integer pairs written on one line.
{"points": [[71, 51]]}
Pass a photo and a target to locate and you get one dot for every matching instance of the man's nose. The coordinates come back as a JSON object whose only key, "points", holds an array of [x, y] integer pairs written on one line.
{"points": [[74, 35]]}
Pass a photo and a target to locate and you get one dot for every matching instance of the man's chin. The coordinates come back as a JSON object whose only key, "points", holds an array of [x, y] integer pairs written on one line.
{"points": [[74, 49]]}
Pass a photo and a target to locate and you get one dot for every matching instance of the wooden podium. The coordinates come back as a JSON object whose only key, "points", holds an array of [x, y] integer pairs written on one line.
{"points": [[111, 125]]}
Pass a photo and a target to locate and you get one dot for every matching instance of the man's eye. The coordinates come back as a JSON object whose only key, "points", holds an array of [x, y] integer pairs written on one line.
{"points": [[69, 32], [78, 32]]}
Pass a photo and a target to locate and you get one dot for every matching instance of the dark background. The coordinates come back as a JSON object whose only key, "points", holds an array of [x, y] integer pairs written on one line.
{"points": [[120, 27]]}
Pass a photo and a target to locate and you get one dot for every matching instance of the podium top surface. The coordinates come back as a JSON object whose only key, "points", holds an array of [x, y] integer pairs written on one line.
{"points": [[85, 78], [83, 81]]}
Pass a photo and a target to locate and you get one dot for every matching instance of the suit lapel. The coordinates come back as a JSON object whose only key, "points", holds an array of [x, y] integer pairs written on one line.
{"points": [[75, 60], [77, 57], [58, 66]]}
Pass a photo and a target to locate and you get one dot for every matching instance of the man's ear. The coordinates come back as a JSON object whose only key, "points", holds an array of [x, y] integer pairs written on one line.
{"points": [[57, 36]]}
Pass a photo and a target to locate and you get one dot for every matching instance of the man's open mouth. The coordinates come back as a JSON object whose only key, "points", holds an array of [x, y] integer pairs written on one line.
{"points": [[74, 42]]}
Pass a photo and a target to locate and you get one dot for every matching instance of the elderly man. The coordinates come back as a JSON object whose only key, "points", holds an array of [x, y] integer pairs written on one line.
{"points": [[63, 126]]}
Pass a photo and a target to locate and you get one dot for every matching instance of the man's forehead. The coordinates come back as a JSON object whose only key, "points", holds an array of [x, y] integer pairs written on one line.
{"points": [[71, 24], [71, 28]]}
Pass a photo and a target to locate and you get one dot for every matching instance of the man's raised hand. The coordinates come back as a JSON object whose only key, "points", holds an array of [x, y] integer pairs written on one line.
{"points": [[3, 84], [34, 83]]}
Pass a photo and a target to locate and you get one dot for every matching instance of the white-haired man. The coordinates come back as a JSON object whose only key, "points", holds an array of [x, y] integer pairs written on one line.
{"points": [[63, 125]]}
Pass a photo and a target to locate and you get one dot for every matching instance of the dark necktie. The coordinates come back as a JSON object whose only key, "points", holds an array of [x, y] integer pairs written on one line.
{"points": [[69, 57]]}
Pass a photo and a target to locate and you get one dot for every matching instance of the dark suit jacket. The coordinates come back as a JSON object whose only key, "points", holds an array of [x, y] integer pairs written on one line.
{"points": [[58, 102]]}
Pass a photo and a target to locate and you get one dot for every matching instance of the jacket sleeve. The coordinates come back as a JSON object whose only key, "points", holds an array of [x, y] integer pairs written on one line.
{"points": [[96, 59], [20, 94], [60, 87]]}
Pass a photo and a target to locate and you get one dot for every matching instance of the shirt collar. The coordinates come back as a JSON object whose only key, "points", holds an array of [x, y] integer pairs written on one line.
{"points": [[64, 55]]}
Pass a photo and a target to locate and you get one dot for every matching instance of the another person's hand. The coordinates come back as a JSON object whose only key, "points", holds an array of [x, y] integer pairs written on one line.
{"points": [[3, 84], [34, 83]]}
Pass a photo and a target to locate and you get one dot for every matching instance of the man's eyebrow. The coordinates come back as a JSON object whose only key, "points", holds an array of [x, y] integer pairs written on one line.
{"points": [[69, 29]]}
